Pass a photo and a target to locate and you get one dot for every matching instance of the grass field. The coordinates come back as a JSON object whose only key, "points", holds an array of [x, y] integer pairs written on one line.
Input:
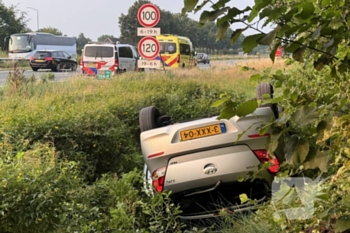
{"points": [[81, 139]]}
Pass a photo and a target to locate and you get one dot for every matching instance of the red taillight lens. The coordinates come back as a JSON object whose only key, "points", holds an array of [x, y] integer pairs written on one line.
{"points": [[116, 62], [158, 178], [31, 58], [178, 58], [81, 61], [48, 59], [263, 157]]}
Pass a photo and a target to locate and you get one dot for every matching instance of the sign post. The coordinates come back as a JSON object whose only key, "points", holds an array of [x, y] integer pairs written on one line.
{"points": [[148, 16]]}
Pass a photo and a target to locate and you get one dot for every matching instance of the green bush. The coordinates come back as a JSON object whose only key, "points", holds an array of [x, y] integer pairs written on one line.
{"points": [[70, 154], [99, 126]]}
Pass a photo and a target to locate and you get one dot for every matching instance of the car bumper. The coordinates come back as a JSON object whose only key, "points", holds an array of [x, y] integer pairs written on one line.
{"points": [[45, 65]]}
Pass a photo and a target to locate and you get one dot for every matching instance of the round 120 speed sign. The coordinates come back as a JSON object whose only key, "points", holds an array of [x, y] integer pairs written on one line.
{"points": [[148, 15], [148, 47]]}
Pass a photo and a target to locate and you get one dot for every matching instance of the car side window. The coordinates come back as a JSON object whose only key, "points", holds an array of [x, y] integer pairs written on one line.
{"points": [[65, 54], [59, 54], [54, 54], [125, 52]]}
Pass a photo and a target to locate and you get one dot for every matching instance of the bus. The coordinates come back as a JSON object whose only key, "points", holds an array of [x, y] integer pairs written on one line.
{"points": [[24, 45], [175, 51]]}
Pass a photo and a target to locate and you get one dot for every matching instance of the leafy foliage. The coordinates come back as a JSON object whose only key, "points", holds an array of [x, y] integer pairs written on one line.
{"points": [[51, 30], [11, 21], [314, 126]]}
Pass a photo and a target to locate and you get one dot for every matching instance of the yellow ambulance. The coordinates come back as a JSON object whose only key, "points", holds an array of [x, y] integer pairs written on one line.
{"points": [[175, 51]]}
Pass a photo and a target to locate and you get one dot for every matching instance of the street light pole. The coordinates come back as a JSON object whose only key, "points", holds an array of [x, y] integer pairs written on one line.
{"points": [[37, 16]]}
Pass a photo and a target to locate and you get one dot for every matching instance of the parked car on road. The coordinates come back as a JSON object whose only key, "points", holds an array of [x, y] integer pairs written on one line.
{"points": [[202, 161], [54, 60], [202, 58]]}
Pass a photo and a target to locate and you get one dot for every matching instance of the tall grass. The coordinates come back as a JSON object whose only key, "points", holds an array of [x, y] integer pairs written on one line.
{"points": [[93, 125]]}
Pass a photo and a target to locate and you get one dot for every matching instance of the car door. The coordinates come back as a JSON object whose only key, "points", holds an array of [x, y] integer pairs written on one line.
{"points": [[67, 60], [126, 57], [59, 58]]}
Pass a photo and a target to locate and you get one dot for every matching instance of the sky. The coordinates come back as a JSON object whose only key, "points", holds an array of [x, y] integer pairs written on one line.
{"points": [[94, 18]]}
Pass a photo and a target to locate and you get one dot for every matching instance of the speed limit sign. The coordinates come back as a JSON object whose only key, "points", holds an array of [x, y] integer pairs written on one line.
{"points": [[148, 47], [148, 15]]}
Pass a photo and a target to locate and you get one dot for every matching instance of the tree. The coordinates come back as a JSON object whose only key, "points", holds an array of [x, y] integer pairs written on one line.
{"points": [[11, 21], [51, 30], [104, 37], [81, 42]]}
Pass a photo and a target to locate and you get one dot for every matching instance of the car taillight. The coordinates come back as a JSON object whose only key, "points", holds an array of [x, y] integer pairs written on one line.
{"points": [[48, 59], [263, 157], [31, 58], [178, 58], [158, 178], [81, 61]]}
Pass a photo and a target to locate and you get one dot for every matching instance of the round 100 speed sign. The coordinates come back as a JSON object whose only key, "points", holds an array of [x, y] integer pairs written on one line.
{"points": [[148, 15], [148, 47]]}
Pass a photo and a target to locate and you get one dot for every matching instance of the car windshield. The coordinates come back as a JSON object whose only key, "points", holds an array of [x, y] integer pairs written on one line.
{"points": [[20, 44], [167, 47], [98, 51], [42, 54], [200, 55]]}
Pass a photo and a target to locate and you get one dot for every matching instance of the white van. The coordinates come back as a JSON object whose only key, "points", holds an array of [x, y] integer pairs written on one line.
{"points": [[105, 56]]}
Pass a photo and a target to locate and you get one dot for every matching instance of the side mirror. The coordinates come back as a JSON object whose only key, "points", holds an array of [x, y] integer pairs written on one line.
{"points": [[69, 57]]}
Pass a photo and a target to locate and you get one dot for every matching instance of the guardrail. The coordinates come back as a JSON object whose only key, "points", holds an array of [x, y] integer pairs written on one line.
{"points": [[10, 59]]}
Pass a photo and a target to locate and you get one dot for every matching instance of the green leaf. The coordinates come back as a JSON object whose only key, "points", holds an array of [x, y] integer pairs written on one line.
{"points": [[292, 47], [296, 150], [222, 20], [211, 15], [189, 6], [221, 32], [320, 161], [228, 111], [258, 6], [233, 12], [273, 140], [273, 52], [243, 197], [220, 102], [298, 54], [308, 10], [305, 115], [250, 42], [220, 4], [199, 7], [268, 39], [342, 223], [255, 78], [235, 35], [246, 108]]}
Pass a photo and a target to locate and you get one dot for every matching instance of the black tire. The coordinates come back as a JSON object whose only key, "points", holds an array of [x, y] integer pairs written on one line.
{"points": [[263, 89], [35, 69], [74, 67], [148, 118]]}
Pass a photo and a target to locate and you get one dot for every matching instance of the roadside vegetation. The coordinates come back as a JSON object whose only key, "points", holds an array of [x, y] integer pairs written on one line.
{"points": [[70, 153]]}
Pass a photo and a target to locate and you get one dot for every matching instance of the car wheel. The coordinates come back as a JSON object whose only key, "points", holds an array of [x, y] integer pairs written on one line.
{"points": [[266, 89], [148, 118], [35, 69], [74, 67]]}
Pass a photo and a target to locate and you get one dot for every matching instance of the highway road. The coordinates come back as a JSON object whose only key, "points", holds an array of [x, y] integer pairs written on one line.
{"points": [[60, 76]]}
